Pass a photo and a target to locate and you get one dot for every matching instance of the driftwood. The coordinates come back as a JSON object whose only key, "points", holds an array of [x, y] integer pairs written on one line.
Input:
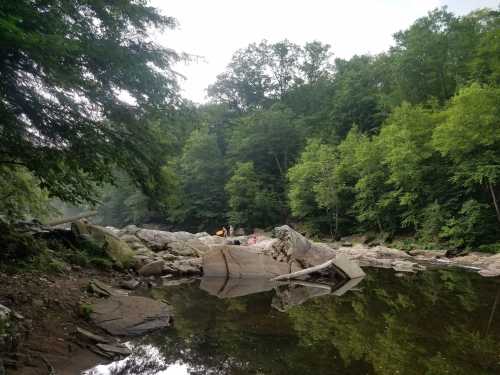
{"points": [[71, 219], [304, 272]]}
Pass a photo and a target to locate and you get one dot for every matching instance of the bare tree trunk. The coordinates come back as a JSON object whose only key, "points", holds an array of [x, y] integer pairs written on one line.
{"points": [[336, 221], [330, 222], [495, 203], [305, 271], [278, 164], [493, 310], [379, 224], [72, 218]]}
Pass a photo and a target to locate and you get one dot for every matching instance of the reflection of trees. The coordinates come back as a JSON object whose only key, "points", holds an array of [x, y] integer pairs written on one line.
{"points": [[423, 324], [430, 323]]}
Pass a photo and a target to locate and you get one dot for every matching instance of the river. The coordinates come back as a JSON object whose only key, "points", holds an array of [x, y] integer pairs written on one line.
{"points": [[441, 321]]}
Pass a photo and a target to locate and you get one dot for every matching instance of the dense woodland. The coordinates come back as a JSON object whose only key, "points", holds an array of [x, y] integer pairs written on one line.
{"points": [[403, 143]]}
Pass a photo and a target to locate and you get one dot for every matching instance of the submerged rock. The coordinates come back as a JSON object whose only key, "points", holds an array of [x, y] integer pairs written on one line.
{"points": [[131, 315]]}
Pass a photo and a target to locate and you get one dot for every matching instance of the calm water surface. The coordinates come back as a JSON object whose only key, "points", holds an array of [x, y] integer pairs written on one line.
{"points": [[434, 322]]}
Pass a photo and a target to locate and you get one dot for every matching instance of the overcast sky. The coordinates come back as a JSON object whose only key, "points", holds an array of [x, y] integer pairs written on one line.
{"points": [[215, 29]]}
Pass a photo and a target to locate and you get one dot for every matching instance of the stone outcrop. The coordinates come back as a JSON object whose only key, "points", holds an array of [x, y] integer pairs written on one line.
{"points": [[116, 248], [289, 252], [130, 315], [242, 261], [184, 253]]}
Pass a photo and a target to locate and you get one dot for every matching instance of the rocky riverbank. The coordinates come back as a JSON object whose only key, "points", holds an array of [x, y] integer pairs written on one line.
{"points": [[85, 314], [179, 253]]}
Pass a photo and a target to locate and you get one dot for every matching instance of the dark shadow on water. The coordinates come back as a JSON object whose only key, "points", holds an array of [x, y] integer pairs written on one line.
{"points": [[435, 322]]}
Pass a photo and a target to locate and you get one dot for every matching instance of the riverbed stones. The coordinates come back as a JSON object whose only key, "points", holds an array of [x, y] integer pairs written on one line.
{"points": [[184, 266], [152, 269], [115, 349], [131, 315], [92, 336], [130, 284]]}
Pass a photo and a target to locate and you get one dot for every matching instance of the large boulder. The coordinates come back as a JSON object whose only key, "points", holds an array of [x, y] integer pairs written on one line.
{"points": [[131, 315], [118, 250], [294, 247], [192, 247], [241, 261], [289, 252], [184, 266], [152, 269]]}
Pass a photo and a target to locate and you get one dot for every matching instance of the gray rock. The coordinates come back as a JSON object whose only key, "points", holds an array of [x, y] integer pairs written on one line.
{"points": [[186, 266], [156, 240], [4, 313], [92, 336], [115, 349], [404, 266], [140, 261], [130, 284], [131, 315], [201, 234], [105, 290], [177, 282], [192, 247], [152, 269], [130, 238], [130, 229]]}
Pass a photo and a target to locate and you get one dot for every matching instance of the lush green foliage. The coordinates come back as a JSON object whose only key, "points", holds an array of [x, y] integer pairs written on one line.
{"points": [[404, 142], [63, 66]]}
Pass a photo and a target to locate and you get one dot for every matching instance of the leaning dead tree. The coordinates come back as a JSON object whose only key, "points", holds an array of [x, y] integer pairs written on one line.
{"points": [[305, 271], [71, 219]]}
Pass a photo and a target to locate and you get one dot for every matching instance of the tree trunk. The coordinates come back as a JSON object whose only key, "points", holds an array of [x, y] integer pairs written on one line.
{"points": [[494, 198], [304, 272], [336, 221], [71, 219]]}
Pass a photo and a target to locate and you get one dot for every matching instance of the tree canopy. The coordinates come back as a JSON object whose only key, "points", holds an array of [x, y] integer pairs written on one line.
{"points": [[65, 67]]}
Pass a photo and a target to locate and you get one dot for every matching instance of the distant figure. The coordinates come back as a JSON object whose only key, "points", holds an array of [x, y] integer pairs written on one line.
{"points": [[224, 231], [231, 231], [252, 240]]}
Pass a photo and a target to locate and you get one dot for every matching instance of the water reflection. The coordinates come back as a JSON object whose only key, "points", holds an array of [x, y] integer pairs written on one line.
{"points": [[436, 322]]}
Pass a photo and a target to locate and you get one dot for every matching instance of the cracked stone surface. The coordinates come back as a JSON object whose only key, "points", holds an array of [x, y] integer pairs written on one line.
{"points": [[131, 315]]}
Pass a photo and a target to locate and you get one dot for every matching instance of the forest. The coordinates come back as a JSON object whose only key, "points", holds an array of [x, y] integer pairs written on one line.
{"points": [[403, 143]]}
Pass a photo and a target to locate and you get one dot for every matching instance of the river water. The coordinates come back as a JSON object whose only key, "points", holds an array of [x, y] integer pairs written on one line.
{"points": [[430, 323]]}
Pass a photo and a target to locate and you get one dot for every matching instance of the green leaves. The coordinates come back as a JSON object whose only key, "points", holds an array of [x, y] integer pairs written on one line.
{"points": [[63, 66], [251, 205]]}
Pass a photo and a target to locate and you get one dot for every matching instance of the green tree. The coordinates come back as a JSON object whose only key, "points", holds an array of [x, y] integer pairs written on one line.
{"points": [[355, 97], [21, 196], [271, 139], [470, 136], [202, 178], [63, 68], [374, 206], [250, 204], [312, 172], [412, 161]]}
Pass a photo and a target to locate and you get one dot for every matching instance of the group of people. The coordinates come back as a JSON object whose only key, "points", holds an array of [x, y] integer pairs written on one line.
{"points": [[224, 232]]}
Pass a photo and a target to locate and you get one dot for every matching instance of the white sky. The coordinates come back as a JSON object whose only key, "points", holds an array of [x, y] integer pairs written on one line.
{"points": [[214, 29]]}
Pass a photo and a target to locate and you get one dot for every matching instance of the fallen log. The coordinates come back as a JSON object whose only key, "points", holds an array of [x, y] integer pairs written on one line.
{"points": [[71, 219], [304, 272]]}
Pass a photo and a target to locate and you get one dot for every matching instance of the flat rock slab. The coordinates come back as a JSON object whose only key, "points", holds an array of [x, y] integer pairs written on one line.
{"points": [[131, 315], [241, 261]]}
